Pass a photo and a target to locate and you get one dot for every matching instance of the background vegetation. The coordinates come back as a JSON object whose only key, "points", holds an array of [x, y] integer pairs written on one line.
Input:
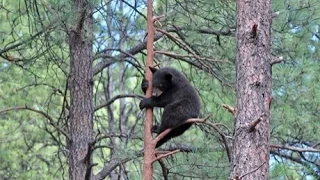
{"points": [[196, 37]]}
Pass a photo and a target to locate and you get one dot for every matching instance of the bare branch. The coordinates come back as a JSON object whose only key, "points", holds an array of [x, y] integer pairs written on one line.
{"points": [[157, 18], [276, 60], [183, 45], [165, 132], [50, 119], [161, 135], [109, 168], [254, 170], [214, 126], [275, 14], [142, 46], [316, 144], [296, 149], [299, 160], [22, 42], [229, 108], [252, 125], [164, 169], [134, 50], [111, 135], [110, 101], [226, 31], [204, 121], [165, 155], [188, 56], [135, 9]]}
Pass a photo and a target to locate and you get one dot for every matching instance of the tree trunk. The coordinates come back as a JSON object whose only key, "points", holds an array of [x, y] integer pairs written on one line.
{"points": [[250, 157], [149, 147], [81, 92]]}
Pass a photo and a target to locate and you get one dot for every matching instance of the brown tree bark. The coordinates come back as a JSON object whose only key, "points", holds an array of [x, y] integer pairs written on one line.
{"points": [[81, 92], [149, 145], [250, 157]]}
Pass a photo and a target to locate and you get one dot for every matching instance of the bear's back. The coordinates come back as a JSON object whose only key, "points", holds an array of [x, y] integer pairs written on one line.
{"points": [[182, 91]]}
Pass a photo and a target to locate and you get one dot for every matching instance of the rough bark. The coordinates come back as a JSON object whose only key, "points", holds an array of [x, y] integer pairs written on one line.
{"points": [[250, 157], [81, 92]]}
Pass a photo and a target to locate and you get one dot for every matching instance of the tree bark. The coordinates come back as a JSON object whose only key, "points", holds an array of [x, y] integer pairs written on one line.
{"points": [[149, 147], [81, 92], [250, 157]]}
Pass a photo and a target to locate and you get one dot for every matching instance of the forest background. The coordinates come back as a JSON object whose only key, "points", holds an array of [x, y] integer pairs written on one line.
{"points": [[196, 37]]}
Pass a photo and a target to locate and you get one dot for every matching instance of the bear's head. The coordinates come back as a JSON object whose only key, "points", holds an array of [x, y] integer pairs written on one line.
{"points": [[161, 80]]}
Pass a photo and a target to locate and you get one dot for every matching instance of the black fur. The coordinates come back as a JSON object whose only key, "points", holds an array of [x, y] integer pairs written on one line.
{"points": [[178, 98]]}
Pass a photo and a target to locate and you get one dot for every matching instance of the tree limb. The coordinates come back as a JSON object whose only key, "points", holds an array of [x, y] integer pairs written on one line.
{"points": [[110, 101], [51, 121], [296, 149]]}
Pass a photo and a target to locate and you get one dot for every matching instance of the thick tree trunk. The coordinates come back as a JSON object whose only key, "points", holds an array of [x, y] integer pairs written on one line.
{"points": [[250, 156], [81, 93]]}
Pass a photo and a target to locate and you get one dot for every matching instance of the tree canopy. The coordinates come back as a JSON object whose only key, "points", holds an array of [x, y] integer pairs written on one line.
{"points": [[196, 37]]}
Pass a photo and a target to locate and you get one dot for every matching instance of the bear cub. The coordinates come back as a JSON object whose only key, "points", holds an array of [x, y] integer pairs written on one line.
{"points": [[173, 92]]}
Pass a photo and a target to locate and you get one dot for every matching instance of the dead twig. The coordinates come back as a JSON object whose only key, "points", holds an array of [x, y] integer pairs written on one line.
{"points": [[229, 108]]}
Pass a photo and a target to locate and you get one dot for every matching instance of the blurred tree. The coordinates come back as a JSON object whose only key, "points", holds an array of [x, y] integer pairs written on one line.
{"points": [[196, 37]]}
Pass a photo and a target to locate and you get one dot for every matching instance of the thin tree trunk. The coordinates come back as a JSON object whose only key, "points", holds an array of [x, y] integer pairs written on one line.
{"points": [[81, 92], [250, 157], [149, 148], [108, 90]]}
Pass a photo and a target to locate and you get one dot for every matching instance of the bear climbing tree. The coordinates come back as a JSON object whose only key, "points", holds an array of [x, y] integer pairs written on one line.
{"points": [[149, 154], [173, 92]]}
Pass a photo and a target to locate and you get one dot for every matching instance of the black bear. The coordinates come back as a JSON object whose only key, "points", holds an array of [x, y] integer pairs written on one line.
{"points": [[173, 92]]}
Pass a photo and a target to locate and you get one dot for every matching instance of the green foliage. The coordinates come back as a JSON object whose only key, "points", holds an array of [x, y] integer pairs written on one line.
{"points": [[28, 152], [35, 74]]}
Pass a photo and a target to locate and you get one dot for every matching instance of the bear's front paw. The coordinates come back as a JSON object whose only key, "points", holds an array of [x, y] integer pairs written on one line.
{"points": [[142, 104], [144, 85], [155, 129]]}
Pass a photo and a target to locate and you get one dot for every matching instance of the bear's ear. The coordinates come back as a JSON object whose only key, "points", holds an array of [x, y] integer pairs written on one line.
{"points": [[168, 77], [153, 70]]}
